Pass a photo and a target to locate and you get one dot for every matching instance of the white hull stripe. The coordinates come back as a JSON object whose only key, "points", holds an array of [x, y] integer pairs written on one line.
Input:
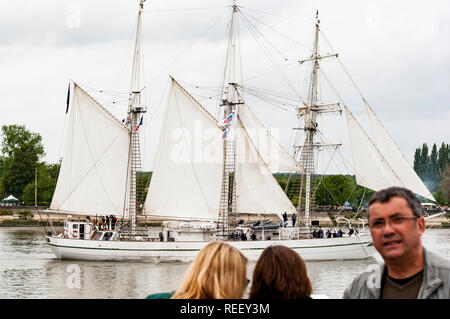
{"points": [[181, 249]]}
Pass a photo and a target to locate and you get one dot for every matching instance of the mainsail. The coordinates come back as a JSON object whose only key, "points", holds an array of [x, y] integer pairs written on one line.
{"points": [[258, 192], [395, 158], [188, 169], [273, 154], [379, 167], [93, 174]]}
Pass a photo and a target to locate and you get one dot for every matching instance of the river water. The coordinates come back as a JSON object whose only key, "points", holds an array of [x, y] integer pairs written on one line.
{"points": [[28, 269]]}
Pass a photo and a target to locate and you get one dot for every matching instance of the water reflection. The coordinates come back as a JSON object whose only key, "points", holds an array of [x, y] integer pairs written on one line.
{"points": [[28, 269], [110, 280]]}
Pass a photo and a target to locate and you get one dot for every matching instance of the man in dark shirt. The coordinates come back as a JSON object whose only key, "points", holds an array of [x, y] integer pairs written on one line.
{"points": [[409, 271]]}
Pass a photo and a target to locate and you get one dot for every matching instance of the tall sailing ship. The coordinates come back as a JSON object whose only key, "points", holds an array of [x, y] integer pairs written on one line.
{"points": [[199, 184]]}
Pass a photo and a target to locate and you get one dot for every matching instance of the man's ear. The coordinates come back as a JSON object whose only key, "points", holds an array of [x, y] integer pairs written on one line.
{"points": [[421, 225]]}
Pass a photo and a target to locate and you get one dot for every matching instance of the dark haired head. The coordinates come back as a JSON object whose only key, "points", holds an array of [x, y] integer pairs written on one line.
{"points": [[280, 273], [385, 195]]}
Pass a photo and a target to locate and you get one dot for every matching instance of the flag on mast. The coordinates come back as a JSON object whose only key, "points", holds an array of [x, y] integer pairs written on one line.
{"points": [[68, 99], [140, 123], [228, 119]]}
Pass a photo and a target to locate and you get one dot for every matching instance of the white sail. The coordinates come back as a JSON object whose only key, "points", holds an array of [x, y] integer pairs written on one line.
{"points": [[187, 177], [258, 192], [395, 158], [274, 155], [372, 169], [93, 174]]}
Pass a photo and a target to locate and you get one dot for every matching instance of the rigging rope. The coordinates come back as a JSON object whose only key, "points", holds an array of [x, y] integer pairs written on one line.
{"points": [[272, 101], [337, 149], [280, 16], [269, 70], [276, 31], [182, 52], [253, 30], [345, 69], [107, 92], [182, 9]]}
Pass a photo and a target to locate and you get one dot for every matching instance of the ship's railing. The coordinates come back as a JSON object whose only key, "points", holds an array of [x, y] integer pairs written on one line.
{"points": [[286, 233], [125, 231]]}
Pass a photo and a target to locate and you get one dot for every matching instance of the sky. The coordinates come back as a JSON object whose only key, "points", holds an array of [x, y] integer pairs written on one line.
{"points": [[397, 52]]}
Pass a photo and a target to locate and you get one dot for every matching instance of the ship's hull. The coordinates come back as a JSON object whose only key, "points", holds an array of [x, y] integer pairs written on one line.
{"points": [[309, 249]]}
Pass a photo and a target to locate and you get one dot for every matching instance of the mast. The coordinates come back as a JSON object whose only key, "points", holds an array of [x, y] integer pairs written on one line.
{"points": [[229, 102], [312, 108], [135, 111], [35, 187]]}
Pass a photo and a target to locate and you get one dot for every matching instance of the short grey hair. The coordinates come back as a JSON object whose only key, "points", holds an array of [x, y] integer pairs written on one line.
{"points": [[385, 195]]}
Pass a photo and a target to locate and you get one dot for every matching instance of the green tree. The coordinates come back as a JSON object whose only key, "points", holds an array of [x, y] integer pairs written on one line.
{"points": [[362, 196], [2, 173], [424, 160], [433, 169], [418, 162], [46, 182], [443, 157], [439, 196], [444, 185], [335, 190], [21, 150]]}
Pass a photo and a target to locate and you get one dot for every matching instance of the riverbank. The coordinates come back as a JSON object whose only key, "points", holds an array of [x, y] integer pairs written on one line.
{"points": [[20, 217]]}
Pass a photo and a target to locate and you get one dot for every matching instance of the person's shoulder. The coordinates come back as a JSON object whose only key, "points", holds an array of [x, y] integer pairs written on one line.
{"points": [[162, 295], [362, 277], [437, 261], [359, 286]]}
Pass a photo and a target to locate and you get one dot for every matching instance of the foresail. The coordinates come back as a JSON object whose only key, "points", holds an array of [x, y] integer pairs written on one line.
{"points": [[395, 158], [187, 177], [258, 192], [274, 155], [93, 174], [371, 169]]}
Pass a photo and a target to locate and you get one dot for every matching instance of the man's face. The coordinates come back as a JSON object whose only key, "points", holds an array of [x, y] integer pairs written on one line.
{"points": [[395, 231]]}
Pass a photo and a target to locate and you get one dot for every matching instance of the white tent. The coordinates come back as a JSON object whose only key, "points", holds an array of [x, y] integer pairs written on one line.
{"points": [[10, 198]]}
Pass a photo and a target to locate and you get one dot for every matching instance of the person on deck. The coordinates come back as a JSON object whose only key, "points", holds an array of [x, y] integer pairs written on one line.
{"points": [[294, 219], [320, 233]]}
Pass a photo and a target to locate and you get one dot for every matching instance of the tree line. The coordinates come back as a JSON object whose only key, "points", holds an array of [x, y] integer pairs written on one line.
{"points": [[20, 162], [326, 190], [434, 170]]}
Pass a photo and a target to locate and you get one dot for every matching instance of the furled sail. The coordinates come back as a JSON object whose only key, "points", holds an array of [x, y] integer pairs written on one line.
{"points": [[395, 158], [93, 174], [258, 192], [187, 177], [273, 154]]}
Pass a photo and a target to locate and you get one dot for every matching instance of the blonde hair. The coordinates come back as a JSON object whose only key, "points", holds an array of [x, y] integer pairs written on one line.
{"points": [[218, 272]]}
